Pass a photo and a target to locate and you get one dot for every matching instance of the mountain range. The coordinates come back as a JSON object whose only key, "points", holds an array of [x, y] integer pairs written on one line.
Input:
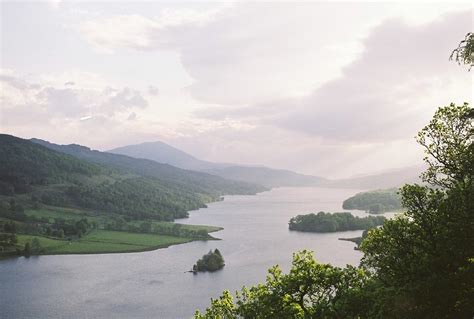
{"points": [[268, 177]]}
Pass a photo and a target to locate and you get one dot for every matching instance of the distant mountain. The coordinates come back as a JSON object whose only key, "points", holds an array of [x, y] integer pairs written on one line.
{"points": [[32, 174], [199, 182], [163, 153], [393, 178], [268, 177]]}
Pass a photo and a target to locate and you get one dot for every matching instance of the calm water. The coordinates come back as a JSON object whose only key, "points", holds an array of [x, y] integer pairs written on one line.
{"points": [[154, 284]]}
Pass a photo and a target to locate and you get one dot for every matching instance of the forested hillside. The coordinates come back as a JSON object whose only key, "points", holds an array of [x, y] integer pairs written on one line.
{"points": [[375, 202], [172, 177], [30, 172]]}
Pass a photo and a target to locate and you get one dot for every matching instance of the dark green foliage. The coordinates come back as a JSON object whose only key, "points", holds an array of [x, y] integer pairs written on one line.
{"points": [[12, 210], [374, 202], [27, 249], [62, 227], [464, 53], [309, 290], [447, 140], [327, 222], [423, 262], [104, 182], [211, 261], [8, 241], [24, 164], [169, 176], [36, 246]]}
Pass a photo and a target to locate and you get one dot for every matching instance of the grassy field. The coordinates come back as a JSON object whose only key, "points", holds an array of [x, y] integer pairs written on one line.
{"points": [[102, 241], [75, 214], [207, 228], [99, 240]]}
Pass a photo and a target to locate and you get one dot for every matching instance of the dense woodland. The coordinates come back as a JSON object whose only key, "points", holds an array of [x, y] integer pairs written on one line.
{"points": [[418, 265], [326, 222], [375, 202], [31, 173]]}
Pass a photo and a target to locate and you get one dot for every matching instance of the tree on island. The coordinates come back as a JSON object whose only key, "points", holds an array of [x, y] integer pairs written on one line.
{"points": [[326, 222], [211, 261]]}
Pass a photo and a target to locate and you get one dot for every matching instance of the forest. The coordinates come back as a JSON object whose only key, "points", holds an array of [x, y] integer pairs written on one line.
{"points": [[32, 173]]}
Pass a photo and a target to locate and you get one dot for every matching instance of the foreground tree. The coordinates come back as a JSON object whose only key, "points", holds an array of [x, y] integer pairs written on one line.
{"points": [[424, 260], [309, 290], [419, 265], [464, 53]]}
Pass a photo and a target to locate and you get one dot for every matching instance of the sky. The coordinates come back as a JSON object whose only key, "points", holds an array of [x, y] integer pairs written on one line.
{"points": [[333, 89]]}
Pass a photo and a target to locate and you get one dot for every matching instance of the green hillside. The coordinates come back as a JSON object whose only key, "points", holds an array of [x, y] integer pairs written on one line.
{"points": [[52, 202], [30, 172], [375, 202], [171, 176]]}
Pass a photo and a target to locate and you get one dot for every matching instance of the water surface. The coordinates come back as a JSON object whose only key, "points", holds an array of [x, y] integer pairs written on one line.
{"points": [[154, 284]]}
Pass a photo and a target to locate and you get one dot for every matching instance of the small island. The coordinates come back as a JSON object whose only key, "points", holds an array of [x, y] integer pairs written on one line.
{"points": [[326, 222], [211, 261], [375, 202]]}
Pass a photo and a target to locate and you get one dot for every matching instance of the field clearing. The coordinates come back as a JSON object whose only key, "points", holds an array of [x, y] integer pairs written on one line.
{"points": [[102, 241]]}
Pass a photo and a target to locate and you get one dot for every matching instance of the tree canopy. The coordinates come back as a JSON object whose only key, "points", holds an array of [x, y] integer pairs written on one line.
{"points": [[374, 202], [326, 222], [464, 53]]}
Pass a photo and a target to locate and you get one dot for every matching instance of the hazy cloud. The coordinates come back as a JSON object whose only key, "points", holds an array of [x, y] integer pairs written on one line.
{"points": [[153, 90], [19, 96], [392, 89], [389, 92]]}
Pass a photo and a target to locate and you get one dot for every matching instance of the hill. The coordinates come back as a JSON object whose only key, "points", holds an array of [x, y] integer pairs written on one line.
{"points": [[29, 171], [163, 153], [268, 177], [375, 202], [170, 176], [390, 179]]}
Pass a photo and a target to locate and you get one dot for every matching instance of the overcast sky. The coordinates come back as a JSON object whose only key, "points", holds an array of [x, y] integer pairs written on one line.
{"points": [[326, 88]]}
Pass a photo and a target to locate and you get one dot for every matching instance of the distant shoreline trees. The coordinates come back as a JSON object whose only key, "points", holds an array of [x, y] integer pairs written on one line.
{"points": [[326, 222], [375, 202]]}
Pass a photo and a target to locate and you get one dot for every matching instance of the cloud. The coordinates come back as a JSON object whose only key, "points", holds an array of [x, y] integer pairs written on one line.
{"points": [[123, 99], [387, 93], [22, 99], [153, 90], [136, 31], [132, 116], [236, 58], [392, 89]]}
